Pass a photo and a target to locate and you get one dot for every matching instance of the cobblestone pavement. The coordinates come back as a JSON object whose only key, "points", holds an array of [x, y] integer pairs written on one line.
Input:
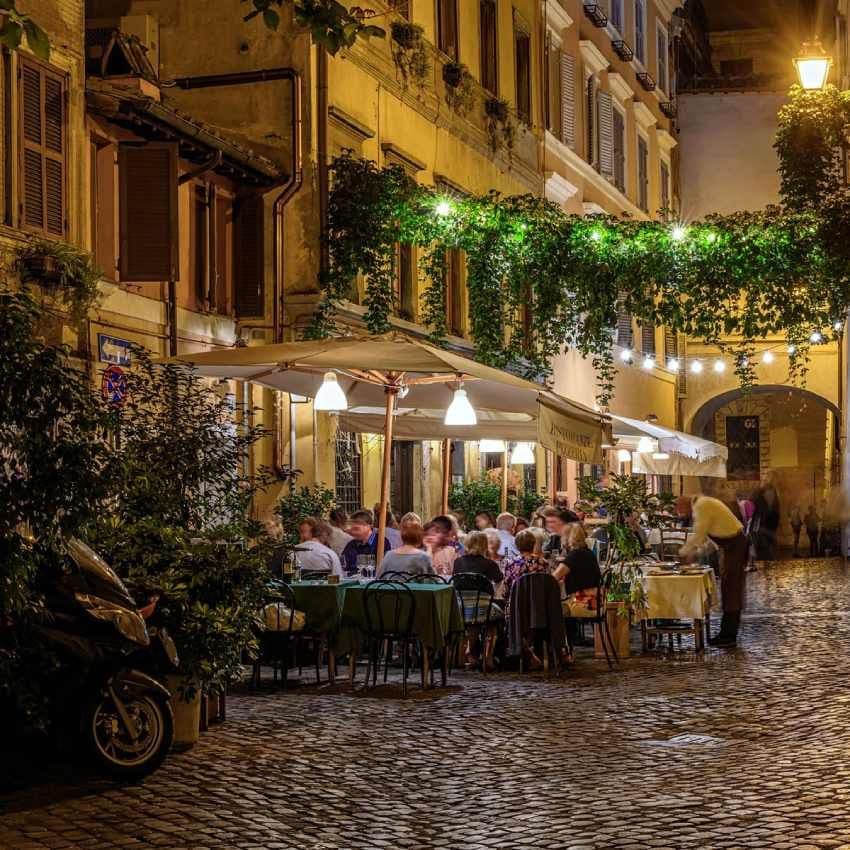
{"points": [[749, 749]]}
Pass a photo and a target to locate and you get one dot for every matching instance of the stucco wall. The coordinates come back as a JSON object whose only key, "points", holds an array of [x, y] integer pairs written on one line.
{"points": [[727, 161]]}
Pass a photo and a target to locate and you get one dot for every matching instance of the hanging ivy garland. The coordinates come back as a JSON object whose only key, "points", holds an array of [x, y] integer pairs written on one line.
{"points": [[746, 276]]}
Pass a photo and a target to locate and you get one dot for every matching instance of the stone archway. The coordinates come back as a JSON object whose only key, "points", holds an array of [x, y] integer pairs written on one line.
{"points": [[787, 434]]}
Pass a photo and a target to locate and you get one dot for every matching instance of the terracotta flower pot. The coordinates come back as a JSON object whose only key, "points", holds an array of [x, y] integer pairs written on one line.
{"points": [[618, 625]]}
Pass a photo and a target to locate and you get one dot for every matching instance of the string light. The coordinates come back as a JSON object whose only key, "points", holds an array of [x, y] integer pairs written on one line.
{"points": [[626, 355], [816, 337], [711, 237], [673, 364], [837, 325], [596, 235], [792, 349], [767, 358], [696, 367], [648, 363], [678, 233], [719, 366], [443, 208]]}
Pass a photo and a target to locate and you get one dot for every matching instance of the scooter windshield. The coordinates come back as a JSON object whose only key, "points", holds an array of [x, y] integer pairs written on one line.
{"points": [[127, 622]]}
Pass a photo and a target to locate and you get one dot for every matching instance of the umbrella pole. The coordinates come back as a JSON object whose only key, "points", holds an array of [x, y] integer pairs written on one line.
{"points": [[553, 481], [505, 479], [447, 470], [385, 471]]}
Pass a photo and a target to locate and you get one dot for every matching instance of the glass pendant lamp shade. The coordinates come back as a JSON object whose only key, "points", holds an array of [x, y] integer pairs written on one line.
{"points": [[813, 66], [624, 455], [460, 411], [522, 454], [645, 445], [491, 447], [330, 396]]}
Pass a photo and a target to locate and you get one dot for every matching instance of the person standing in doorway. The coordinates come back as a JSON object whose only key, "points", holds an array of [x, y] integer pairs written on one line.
{"points": [[713, 520], [812, 521], [795, 518]]}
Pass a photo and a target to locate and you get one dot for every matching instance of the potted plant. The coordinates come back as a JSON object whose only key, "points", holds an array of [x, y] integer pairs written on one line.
{"points": [[501, 130], [460, 87], [409, 52], [60, 267]]}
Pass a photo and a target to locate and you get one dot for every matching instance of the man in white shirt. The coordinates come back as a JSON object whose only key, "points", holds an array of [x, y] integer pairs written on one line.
{"points": [[339, 537], [713, 520]]}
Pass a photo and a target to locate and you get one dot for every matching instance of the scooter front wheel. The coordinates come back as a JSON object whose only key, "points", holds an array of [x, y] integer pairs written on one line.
{"points": [[121, 753]]}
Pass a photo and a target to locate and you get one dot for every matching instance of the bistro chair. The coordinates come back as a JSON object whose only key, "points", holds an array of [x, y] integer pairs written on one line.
{"points": [[535, 614], [441, 656], [672, 540], [475, 596], [427, 578], [594, 611], [283, 625], [395, 575], [389, 609]]}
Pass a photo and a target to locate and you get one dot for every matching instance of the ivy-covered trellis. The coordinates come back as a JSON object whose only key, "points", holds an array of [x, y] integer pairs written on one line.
{"points": [[741, 277]]}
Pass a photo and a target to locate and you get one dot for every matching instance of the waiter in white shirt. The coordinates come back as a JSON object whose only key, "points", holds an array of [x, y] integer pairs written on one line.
{"points": [[714, 521]]}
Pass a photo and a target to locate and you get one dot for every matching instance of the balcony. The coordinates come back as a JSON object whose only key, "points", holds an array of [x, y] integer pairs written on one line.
{"points": [[646, 81], [668, 108], [623, 50], [594, 13]]}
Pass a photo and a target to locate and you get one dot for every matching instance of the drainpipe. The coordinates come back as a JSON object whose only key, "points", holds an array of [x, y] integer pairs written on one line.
{"points": [[322, 152]]}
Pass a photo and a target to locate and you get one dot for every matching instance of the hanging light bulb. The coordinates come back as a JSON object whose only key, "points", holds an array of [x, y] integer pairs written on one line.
{"points": [[443, 208], [816, 337], [491, 447], [837, 325], [523, 454], [719, 366], [627, 355], [660, 456], [696, 367], [678, 233], [648, 363], [767, 358], [646, 445], [596, 234], [460, 411], [673, 364], [330, 396], [624, 455], [792, 349]]}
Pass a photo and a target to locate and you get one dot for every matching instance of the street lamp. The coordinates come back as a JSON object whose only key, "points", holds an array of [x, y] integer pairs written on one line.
{"points": [[813, 65]]}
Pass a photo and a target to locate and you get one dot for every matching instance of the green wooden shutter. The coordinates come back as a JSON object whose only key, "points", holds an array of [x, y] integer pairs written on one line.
{"points": [[249, 242]]}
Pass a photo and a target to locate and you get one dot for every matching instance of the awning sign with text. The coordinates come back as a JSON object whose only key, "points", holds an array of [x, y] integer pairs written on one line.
{"points": [[568, 436]]}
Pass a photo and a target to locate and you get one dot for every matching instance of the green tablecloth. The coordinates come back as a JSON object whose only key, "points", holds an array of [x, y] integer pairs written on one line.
{"points": [[437, 616], [321, 603]]}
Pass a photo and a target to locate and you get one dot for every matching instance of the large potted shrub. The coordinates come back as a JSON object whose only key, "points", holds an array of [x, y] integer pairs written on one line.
{"points": [[180, 524]]}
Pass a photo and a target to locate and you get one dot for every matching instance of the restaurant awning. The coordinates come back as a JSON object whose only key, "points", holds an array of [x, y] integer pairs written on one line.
{"points": [[688, 454]]}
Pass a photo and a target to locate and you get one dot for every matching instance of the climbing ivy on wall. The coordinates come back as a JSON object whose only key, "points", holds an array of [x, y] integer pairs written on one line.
{"points": [[782, 270]]}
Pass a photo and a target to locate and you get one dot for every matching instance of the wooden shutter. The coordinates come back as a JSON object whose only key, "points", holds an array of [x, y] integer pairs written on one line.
{"points": [[625, 331], [43, 147], [663, 82], [454, 292], [665, 188], [447, 27], [522, 55], [647, 339], [590, 118], [643, 174], [489, 46], [619, 151], [402, 7], [148, 211], [605, 107], [640, 31], [249, 241], [671, 347], [568, 99]]}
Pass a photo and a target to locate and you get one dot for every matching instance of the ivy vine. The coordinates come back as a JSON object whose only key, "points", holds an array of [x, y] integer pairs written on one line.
{"points": [[727, 280]]}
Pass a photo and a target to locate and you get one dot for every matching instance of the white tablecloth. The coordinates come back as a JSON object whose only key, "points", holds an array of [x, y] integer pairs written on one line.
{"points": [[679, 597]]}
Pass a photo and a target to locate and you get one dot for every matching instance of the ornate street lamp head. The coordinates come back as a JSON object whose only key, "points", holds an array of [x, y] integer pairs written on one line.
{"points": [[813, 65]]}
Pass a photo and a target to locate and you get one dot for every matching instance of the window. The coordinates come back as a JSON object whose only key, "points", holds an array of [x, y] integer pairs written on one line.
{"points": [[489, 46], [349, 494], [743, 441], [625, 332], [663, 60], [147, 189], [619, 150], [522, 60], [647, 340], [249, 243], [640, 31], [736, 67], [447, 28], [401, 7], [665, 188], [211, 234], [616, 16], [643, 174], [605, 134], [43, 148], [404, 283], [454, 292], [568, 99]]}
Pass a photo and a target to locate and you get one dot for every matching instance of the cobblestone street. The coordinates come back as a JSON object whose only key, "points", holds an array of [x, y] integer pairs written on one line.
{"points": [[749, 749]]}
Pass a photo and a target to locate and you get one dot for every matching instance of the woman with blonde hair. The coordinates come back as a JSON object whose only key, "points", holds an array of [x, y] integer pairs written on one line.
{"points": [[578, 567]]}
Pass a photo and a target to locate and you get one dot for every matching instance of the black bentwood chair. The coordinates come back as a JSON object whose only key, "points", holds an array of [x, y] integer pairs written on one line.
{"points": [[475, 596], [389, 608], [283, 627]]}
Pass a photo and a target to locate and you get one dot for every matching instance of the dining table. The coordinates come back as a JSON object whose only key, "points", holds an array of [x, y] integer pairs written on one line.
{"points": [[337, 610]]}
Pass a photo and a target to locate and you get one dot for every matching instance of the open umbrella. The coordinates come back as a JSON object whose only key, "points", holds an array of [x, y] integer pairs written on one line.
{"points": [[377, 371]]}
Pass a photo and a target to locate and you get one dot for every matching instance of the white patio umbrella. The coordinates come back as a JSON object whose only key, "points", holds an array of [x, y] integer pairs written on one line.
{"points": [[374, 372]]}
